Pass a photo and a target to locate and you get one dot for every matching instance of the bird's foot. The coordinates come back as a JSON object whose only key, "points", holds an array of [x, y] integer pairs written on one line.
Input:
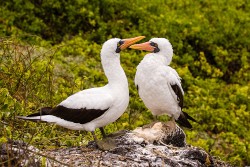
{"points": [[106, 144]]}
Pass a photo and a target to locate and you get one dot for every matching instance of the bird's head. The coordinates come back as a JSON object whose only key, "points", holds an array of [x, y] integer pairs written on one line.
{"points": [[116, 45], [156, 45]]}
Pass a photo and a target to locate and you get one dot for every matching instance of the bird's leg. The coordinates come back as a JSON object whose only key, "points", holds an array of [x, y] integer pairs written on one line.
{"points": [[173, 119], [105, 144], [155, 118], [103, 132], [93, 134]]}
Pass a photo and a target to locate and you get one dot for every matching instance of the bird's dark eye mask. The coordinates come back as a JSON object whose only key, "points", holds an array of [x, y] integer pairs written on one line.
{"points": [[118, 49], [155, 45]]}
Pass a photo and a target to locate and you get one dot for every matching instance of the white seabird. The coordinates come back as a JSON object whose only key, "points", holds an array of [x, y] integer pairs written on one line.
{"points": [[158, 84], [96, 107]]}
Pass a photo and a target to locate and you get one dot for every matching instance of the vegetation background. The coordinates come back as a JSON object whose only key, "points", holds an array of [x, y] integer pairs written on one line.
{"points": [[50, 50]]}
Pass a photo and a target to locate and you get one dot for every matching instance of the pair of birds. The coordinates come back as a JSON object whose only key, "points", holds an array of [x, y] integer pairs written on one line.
{"points": [[158, 85]]}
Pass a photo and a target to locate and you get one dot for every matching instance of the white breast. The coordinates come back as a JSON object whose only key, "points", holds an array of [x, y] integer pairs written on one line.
{"points": [[119, 105], [153, 78]]}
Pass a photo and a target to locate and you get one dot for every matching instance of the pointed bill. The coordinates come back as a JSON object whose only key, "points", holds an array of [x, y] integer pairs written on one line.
{"points": [[143, 46], [130, 41]]}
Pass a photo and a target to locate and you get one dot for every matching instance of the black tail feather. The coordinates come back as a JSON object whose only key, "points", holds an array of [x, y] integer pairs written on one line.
{"points": [[189, 117], [43, 111], [183, 120]]}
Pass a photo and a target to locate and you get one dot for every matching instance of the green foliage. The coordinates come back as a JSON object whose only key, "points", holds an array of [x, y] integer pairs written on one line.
{"points": [[53, 51]]}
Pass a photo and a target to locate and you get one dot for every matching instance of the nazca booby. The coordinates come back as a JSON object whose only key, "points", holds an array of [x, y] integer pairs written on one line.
{"points": [[96, 107], [159, 85]]}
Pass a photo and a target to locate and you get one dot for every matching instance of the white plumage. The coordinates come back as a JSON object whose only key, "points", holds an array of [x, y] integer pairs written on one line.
{"points": [[96, 107], [158, 84], [95, 98]]}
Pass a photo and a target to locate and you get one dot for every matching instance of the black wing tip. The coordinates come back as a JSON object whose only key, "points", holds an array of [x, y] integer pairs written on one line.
{"points": [[183, 120], [43, 111], [178, 93], [189, 117], [28, 119], [78, 115]]}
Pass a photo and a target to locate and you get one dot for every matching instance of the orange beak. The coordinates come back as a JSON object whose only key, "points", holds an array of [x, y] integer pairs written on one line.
{"points": [[143, 46], [130, 41]]}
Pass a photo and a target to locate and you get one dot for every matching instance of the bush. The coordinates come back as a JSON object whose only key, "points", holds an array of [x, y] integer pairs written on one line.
{"points": [[211, 46]]}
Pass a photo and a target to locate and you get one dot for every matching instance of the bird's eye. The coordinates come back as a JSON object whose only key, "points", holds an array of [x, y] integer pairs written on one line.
{"points": [[154, 44], [118, 49], [120, 43]]}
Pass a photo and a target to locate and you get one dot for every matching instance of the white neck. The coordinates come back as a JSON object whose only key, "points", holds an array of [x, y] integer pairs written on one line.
{"points": [[167, 56], [162, 59], [113, 70]]}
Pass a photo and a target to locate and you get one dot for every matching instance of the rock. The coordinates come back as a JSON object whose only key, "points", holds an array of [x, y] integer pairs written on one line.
{"points": [[161, 132], [157, 144], [18, 153]]}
